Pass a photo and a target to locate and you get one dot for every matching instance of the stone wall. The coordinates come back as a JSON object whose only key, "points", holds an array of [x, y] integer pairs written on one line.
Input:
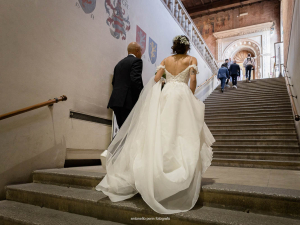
{"points": [[266, 11]]}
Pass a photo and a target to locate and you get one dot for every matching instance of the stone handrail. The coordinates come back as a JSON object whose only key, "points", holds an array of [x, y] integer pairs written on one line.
{"points": [[179, 13]]}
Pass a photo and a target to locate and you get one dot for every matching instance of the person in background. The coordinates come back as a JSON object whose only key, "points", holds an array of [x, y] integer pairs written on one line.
{"points": [[227, 65], [223, 74], [234, 72], [249, 63]]}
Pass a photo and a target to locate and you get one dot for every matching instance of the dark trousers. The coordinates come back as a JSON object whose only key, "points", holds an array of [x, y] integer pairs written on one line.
{"points": [[234, 79], [248, 71], [121, 115], [223, 80]]}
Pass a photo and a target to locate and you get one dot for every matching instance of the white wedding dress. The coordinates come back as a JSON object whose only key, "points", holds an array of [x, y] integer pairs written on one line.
{"points": [[162, 149]]}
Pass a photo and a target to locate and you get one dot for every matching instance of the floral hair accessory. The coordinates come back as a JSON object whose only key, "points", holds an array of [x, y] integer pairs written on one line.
{"points": [[183, 39]]}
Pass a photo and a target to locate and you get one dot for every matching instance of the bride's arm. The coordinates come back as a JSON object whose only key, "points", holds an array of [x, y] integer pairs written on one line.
{"points": [[160, 72], [193, 79]]}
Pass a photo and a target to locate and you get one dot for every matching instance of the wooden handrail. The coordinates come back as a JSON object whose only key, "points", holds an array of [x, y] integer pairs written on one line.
{"points": [[205, 82], [291, 96], [49, 102]]}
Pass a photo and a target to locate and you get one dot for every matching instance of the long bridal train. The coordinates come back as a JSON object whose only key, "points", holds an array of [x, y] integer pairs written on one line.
{"points": [[162, 149]]}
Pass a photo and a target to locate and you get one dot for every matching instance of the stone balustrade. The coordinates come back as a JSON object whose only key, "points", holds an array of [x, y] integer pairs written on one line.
{"points": [[179, 13]]}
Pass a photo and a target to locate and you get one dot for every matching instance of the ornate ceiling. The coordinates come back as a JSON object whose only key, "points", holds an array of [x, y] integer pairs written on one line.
{"points": [[197, 8]]}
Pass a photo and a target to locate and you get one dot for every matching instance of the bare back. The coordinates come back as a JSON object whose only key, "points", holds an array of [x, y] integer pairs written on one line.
{"points": [[177, 63]]}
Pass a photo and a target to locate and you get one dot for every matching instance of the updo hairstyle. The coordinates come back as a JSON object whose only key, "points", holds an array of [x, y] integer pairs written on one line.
{"points": [[181, 44]]}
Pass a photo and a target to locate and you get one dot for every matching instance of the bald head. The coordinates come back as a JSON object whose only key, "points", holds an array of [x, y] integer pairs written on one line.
{"points": [[135, 48]]}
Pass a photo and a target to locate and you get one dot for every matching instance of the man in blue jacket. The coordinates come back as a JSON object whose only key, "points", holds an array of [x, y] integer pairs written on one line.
{"points": [[223, 74]]}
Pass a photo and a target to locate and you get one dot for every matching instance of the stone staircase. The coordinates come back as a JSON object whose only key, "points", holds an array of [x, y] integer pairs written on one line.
{"points": [[253, 126], [67, 196]]}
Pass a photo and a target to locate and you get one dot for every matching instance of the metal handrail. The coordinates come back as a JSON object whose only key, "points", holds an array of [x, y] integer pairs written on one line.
{"points": [[20, 111], [291, 96], [205, 82]]}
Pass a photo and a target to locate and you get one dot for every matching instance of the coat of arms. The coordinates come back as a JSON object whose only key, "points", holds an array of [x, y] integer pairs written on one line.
{"points": [[87, 6], [141, 38], [152, 51], [118, 18]]}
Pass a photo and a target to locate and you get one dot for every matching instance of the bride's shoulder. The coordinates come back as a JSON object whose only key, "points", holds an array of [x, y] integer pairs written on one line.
{"points": [[194, 60]]}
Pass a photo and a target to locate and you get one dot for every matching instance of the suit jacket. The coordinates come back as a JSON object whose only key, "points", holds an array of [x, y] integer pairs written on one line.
{"points": [[234, 69], [127, 83]]}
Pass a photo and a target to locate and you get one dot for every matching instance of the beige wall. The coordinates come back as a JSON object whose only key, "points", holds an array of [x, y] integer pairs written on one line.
{"points": [[50, 48], [293, 57], [287, 18]]}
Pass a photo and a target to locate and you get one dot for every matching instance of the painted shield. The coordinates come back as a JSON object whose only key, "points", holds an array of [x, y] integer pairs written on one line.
{"points": [[141, 38], [118, 18], [152, 51], [87, 6]]}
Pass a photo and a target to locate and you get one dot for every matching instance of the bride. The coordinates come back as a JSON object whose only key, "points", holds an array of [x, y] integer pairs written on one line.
{"points": [[163, 148]]}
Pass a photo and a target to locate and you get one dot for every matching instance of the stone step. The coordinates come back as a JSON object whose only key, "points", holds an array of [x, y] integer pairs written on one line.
{"points": [[257, 86], [222, 108], [238, 95], [257, 155], [247, 117], [248, 114], [252, 149], [266, 164], [259, 82], [256, 83], [254, 103], [260, 136], [245, 99], [19, 213], [269, 148], [277, 142], [246, 126], [96, 204], [238, 130], [249, 110], [248, 93], [261, 87], [248, 107], [247, 121], [257, 90]]}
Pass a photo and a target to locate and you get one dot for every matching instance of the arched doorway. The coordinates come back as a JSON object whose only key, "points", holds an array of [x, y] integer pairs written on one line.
{"points": [[240, 57], [245, 46]]}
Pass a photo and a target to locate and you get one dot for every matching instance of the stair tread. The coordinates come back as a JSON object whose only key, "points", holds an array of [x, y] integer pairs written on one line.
{"points": [[260, 153], [21, 213], [267, 120], [261, 146], [258, 139], [73, 173], [258, 160], [200, 214]]}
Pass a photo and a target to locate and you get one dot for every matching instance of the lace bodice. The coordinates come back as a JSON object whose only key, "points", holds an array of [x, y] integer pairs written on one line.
{"points": [[183, 76]]}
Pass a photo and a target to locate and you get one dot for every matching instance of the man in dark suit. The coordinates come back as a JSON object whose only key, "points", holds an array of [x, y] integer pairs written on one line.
{"points": [[127, 83], [234, 71]]}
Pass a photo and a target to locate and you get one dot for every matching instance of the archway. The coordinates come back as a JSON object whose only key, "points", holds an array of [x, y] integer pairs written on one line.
{"points": [[247, 45]]}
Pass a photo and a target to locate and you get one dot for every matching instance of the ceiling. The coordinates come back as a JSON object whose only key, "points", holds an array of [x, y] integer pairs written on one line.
{"points": [[198, 8]]}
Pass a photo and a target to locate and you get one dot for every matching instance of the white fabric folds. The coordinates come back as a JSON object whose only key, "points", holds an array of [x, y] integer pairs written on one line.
{"points": [[161, 150]]}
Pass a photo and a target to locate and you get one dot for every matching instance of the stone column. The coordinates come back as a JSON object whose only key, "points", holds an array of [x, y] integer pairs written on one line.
{"points": [[266, 60]]}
